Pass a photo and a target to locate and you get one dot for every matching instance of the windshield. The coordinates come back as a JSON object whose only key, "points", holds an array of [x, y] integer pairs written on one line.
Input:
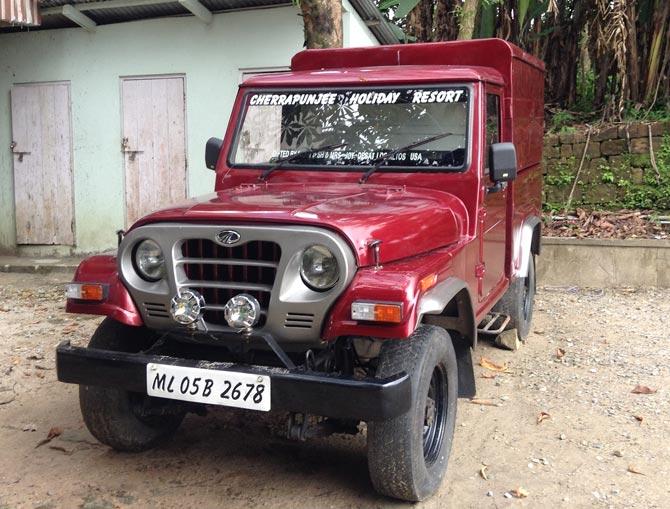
{"points": [[359, 126]]}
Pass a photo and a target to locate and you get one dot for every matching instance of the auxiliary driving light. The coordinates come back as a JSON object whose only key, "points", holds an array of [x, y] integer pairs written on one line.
{"points": [[242, 311], [187, 307]]}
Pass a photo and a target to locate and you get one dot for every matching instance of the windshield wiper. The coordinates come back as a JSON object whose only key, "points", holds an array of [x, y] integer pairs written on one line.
{"points": [[376, 164], [283, 160]]}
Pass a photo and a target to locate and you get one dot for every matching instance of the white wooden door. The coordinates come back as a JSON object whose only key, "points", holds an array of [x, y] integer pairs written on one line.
{"points": [[42, 154], [154, 143]]}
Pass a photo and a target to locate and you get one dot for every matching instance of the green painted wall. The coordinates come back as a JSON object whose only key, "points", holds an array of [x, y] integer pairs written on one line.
{"points": [[210, 56]]}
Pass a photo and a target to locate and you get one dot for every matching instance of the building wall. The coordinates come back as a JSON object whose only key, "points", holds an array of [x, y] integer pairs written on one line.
{"points": [[209, 56], [354, 31]]}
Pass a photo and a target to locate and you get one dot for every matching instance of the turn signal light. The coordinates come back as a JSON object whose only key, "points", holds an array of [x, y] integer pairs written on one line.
{"points": [[86, 291], [428, 282], [376, 312]]}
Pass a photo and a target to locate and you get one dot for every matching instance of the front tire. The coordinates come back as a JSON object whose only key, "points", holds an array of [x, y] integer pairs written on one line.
{"points": [[126, 421], [408, 455]]}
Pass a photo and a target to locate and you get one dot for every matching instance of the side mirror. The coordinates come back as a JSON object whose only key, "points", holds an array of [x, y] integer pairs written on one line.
{"points": [[212, 151], [502, 162]]}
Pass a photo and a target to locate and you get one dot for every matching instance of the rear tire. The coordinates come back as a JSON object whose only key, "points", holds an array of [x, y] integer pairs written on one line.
{"points": [[126, 421], [517, 302], [408, 455]]}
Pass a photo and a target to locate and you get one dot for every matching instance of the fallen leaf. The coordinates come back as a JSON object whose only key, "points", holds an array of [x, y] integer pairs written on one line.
{"points": [[560, 353], [634, 470], [482, 472], [543, 416], [489, 364], [485, 402], [639, 418], [488, 375], [520, 492], [70, 328], [53, 433], [643, 389], [61, 449]]}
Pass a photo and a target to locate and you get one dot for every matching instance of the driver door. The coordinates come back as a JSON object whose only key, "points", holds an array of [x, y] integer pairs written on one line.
{"points": [[494, 210]]}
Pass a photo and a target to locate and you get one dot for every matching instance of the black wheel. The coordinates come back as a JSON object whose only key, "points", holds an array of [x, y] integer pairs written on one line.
{"points": [[517, 302], [408, 455], [126, 421]]}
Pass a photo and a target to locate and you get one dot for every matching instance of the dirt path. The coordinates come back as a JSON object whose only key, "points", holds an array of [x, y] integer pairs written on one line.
{"points": [[578, 457]]}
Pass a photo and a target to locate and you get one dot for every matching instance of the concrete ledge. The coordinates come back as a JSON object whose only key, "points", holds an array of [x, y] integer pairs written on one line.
{"points": [[604, 263], [39, 265], [564, 262]]}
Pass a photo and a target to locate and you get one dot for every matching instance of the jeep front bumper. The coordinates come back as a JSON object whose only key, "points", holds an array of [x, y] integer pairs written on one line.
{"points": [[308, 392]]}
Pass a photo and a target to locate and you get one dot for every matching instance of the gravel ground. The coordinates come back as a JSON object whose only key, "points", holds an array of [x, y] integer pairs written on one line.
{"points": [[600, 445]]}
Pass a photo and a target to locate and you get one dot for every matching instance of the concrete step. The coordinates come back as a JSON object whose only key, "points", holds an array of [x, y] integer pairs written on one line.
{"points": [[39, 265]]}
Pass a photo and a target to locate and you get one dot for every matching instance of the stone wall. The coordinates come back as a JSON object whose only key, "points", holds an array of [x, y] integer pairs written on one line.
{"points": [[617, 156]]}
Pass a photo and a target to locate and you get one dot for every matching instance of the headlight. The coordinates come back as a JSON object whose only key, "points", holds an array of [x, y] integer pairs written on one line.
{"points": [[319, 269], [149, 261]]}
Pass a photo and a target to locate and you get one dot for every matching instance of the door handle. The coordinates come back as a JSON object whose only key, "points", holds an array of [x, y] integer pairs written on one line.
{"points": [[19, 153], [132, 153], [125, 148]]}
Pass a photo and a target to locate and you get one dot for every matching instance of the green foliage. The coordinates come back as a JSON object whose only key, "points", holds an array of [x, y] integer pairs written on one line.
{"points": [[654, 192], [562, 175], [487, 18], [607, 176], [586, 90], [562, 120], [658, 113], [401, 8]]}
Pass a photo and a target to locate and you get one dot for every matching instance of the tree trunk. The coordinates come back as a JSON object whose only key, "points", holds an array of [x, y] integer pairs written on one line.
{"points": [[467, 19], [420, 21], [661, 16], [445, 25], [633, 67], [562, 52], [322, 23]]}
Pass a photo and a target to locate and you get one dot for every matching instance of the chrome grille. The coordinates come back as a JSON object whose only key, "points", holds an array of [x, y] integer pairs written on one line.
{"points": [[219, 273]]}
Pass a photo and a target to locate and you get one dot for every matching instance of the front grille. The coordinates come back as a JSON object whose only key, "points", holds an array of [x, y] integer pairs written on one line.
{"points": [[219, 273]]}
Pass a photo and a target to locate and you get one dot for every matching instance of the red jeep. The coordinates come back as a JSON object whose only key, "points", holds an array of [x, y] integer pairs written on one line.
{"points": [[373, 207]]}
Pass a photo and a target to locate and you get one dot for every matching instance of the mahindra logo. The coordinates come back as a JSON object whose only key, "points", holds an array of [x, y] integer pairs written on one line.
{"points": [[227, 237]]}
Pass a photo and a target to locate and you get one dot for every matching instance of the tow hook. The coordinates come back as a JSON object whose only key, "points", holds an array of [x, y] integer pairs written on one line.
{"points": [[297, 427], [300, 428]]}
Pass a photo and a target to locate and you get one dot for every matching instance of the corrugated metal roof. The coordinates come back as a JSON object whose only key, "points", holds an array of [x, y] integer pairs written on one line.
{"points": [[19, 12], [366, 9]]}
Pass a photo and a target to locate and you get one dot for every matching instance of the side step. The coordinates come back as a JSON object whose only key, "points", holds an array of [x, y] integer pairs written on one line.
{"points": [[493, 323]]}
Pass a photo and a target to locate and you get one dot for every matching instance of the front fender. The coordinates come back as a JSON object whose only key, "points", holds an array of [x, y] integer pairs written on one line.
{"points": [[395, 282], [118, 305]]}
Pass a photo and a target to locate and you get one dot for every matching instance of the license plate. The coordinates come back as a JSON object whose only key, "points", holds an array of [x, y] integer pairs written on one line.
{"points": [[209, 386]]}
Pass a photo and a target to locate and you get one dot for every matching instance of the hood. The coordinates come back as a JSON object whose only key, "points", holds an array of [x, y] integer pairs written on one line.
{"points": [[408, 221]]}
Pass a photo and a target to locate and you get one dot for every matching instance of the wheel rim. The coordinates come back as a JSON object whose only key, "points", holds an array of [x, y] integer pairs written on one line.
{"points": [[435, 416]]}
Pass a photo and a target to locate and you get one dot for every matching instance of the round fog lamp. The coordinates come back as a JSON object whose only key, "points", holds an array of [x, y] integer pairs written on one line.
{"points": [[187, 307], [242, 311]]}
